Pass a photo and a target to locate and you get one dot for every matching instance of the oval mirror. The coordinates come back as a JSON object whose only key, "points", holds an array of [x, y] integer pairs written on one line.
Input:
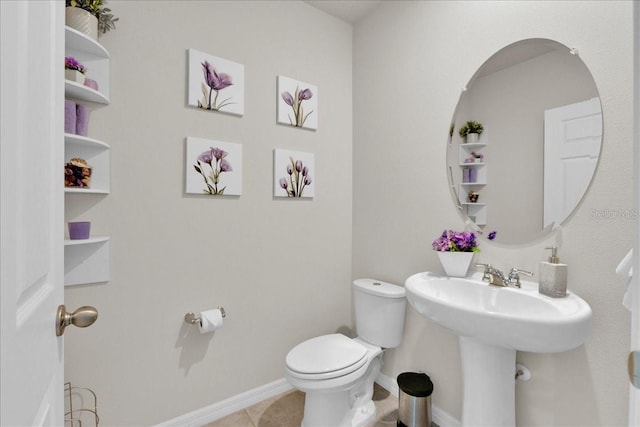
{"points": [[540, 132]]}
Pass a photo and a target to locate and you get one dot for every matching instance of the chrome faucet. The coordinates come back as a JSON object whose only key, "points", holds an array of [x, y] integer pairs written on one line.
{"points": [[497, 278]]}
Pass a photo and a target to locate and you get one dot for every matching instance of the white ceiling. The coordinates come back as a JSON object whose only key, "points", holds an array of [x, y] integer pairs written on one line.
{"points": [[348, 10]]}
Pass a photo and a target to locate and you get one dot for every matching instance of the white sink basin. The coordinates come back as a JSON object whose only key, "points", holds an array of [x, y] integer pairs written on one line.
{"points": [[519, 319], [492, 323]]}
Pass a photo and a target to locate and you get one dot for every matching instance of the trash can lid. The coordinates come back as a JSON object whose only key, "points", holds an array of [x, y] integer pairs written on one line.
{"points": [[415, 384]]}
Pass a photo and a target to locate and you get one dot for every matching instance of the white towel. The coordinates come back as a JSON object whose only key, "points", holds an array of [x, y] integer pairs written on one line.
{"points": [[625, 273]]}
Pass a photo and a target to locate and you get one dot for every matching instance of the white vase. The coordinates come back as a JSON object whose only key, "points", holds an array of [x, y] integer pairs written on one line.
{"points": [[472, 138], [81, 20], [455, 264], [74, 76]]}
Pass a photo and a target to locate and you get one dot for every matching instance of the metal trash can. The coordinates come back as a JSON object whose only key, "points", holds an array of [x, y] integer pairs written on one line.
{"points": [[414, 409]]}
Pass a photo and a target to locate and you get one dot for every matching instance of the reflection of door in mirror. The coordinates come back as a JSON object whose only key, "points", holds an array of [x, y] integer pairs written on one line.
{"points": [[572, 135]]}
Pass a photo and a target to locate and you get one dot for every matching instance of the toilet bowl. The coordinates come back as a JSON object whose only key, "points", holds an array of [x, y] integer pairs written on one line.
{"points": [[337, 372]]}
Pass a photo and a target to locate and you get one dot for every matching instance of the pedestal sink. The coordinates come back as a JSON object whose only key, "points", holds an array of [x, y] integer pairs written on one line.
{"points": [[492, 324]]}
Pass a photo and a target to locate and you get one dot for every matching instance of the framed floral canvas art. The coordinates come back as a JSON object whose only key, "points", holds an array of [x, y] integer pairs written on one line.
{"points": [[213, 167], [215, 84], [293, 174], [297, 103]]}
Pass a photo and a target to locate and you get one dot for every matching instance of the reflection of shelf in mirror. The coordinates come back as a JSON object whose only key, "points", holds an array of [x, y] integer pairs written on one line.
{"points": [[473, 204], [471, 165], [473, 184], [474, 145]]}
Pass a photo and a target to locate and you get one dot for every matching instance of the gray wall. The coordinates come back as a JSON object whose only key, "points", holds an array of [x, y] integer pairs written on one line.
{"points": [[411, 60], [281, 268]]}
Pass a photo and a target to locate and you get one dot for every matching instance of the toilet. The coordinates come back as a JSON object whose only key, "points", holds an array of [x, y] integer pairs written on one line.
{"points": [[337, 372]]}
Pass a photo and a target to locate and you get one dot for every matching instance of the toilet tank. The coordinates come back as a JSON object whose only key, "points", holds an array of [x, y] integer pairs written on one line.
{"points": [[379, 312]]}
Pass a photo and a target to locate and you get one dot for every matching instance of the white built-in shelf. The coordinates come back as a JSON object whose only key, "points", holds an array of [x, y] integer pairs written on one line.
{"points": [[97, 154], [75, 40], [89, 241], [96, 59], [76, 91], [86, 261]]}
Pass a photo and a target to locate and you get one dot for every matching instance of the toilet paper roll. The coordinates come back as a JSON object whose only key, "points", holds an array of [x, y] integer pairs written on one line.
{"points": [[211, 320]]}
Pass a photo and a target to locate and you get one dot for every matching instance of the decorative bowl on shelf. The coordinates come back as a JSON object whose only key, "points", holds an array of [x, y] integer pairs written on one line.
{"points": [[77, 173]]}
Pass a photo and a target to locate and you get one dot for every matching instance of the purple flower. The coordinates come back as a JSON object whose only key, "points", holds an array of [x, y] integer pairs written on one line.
{"points": [[218, 153], [289, 170], [288, 99], [305, 171], [492, 235], [216, 81], [298, 165], [304, 94], [71, 63], [225, 166], [283, 183], [206, 157], [456, 241], [307, 180]]}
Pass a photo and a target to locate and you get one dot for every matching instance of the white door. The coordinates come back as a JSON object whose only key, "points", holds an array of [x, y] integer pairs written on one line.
{"points": [[572, 139], [31, 212], [634, 392]]}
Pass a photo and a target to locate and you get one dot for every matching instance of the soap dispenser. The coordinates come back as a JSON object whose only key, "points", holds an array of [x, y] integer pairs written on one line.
{"points": [[553, 276]]}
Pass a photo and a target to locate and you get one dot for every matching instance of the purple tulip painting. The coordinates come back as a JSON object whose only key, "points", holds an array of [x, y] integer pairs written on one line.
{"points": [[293, 174], [215, 84], [213, 167], [297, 103]]}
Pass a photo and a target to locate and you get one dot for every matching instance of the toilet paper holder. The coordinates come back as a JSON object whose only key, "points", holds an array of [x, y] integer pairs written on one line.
{"points": [[192, 319]]}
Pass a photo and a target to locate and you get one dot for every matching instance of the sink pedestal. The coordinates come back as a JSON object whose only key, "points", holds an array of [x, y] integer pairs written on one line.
{"points": [[488, 375]]}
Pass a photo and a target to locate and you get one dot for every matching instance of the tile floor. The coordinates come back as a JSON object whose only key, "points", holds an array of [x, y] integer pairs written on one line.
{"points": [[286, 410]]}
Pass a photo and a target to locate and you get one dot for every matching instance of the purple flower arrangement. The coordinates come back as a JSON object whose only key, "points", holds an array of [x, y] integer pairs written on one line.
{"points": [[215, 82], [215, 159], [295, 102], [70, 63], [456, 241], [299, 178]]}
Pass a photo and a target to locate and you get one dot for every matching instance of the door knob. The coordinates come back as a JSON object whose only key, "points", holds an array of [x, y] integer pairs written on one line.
{"points": [[82, 317]]}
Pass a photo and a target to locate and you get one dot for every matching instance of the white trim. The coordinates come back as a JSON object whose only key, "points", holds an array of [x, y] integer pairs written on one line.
{"points": [[438, 416], [249, 398], [228, 406]]}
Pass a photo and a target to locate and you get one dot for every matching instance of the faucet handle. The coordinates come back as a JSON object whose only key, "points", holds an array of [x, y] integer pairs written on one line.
{"points": [[514, 276], [487, 269], [515, 271]]}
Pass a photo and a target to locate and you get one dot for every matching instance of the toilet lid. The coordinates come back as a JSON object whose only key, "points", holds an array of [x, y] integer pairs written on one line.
{"points": [[326, 354]]}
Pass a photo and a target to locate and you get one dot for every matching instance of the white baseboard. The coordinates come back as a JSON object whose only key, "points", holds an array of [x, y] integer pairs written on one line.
{"points": [[228, 406], [249, 398], [438, 416]]}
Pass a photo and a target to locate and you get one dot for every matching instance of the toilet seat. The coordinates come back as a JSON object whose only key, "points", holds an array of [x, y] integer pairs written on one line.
{"points": [[326, 357]]}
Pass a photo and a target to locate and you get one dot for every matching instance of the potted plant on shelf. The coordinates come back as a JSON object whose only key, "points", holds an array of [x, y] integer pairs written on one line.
{"points": [[74, 70], [471, 131], [89, 17]]}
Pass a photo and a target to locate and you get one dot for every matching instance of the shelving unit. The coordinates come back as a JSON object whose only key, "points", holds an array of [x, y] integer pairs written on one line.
{"points": [[88, 261], [476, 211]]}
